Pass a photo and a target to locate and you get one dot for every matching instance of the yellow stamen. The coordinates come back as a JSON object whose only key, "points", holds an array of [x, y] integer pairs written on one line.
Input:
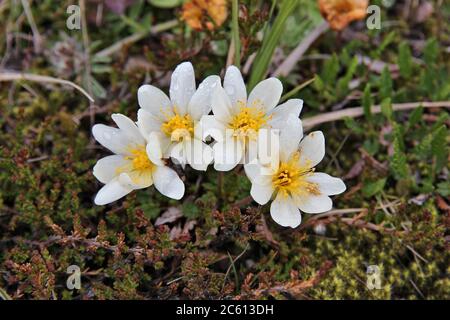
{"points": [[291, 178], [178, 127], [139, 159], [248, 120]]}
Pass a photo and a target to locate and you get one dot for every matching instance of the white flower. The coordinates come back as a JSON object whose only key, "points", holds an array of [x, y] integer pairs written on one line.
{"points": [[137, 163], [176, 120], [237, 121], [293, 183]]}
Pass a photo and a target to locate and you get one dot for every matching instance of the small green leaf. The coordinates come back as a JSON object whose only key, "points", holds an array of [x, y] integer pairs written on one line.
{"points": [[353, 125], [385, 84], [97, 89], [431, 51], [165, 4], [367, 103], [443, 188], [386, 108], [439, 146], [398, 162], [415, 117], [190, 210], [405, 60], [372, 188], [270, 42]]}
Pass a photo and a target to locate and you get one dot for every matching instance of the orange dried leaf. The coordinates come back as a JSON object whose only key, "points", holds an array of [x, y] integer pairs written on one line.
{"points": [[201, 14], [339, 13]]}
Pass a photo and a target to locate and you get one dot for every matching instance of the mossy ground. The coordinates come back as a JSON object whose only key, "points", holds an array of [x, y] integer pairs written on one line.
{"points": [[395, 164]]}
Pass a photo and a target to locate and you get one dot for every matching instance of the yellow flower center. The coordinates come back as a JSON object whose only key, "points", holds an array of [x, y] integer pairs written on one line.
{"points": [[291, 178], [139, 159], [178, 127], [248, 120]]}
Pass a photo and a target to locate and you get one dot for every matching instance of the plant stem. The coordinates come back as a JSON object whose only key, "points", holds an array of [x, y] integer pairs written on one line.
{"points": [[235, 33]]}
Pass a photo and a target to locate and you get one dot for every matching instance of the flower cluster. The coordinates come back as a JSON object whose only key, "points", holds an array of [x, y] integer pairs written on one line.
{"points": [[252, 130]]}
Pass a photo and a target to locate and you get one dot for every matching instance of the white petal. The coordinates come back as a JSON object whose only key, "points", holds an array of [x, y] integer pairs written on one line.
{"points": [[252, 170], [112, 138], [111, 192], [221, 105], [106, 168], [234, 86], [266, 94], [261, 193], [136, 179], [290, 136], [154, 148], [198, 154], [182, 86], [327, 184], [281, 112], [312, 149], [227, 154], [148, 123], [168, 182], [210, 126], [284, 212], [154, 101], [128, 128], [200, 103], [313, 203]]}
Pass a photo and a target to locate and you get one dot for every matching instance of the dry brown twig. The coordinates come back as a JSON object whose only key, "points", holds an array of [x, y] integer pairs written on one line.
{"points": [[17, 76], [310, 122], [37, 38], [289, 63], [109, 51]]}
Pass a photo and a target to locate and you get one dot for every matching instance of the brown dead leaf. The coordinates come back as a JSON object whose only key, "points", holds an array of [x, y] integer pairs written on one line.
{"points": [[171, 215], [355, 170]]}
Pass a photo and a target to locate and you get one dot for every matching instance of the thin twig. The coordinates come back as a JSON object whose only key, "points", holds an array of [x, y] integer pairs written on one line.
{"points": [[87, 57], [135, 38], [37, 39], [233, 261], [289, 63], [14, 76], [308, 123]]}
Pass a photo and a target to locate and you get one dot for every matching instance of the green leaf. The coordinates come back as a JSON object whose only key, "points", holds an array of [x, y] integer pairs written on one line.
{"points": [[367, 103], [372, 188], [405, 60], [190, 210], [265, 53], [439, 147], [443, 188], [386, 108], [398, 162], [166, 3], [386, 41], [371, 146], [431, 52], [385, 84], [415, 117], [353, 125], [342, 84], [331, 70], [97, 89], [423, 149]]}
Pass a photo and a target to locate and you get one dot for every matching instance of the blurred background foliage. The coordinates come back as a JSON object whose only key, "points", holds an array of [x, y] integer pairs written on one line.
{"points": [[216, 242]]}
